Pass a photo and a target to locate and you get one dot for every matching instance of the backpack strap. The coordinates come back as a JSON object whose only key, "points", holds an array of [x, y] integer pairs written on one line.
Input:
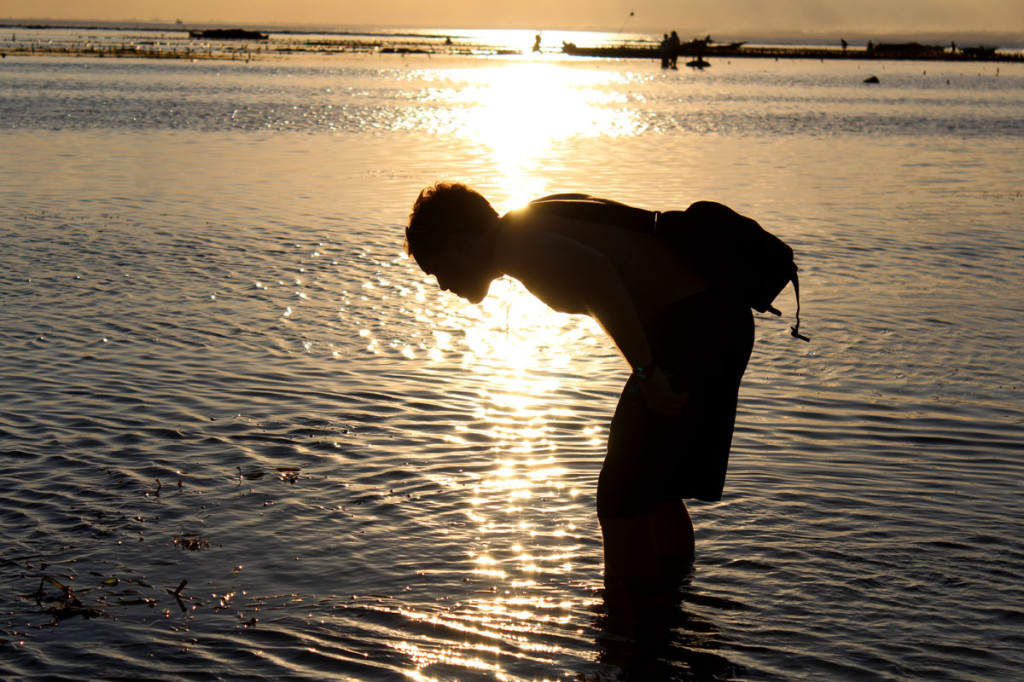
{"points": [[595, 210]]}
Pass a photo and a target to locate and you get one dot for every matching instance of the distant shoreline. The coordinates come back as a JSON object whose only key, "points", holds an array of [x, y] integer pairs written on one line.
{"points": [[261, 52], [881, 52], [178, 41]]}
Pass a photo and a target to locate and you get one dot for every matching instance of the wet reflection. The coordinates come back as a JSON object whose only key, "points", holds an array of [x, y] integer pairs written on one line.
{"points": [[675, 644], [523, 546]]}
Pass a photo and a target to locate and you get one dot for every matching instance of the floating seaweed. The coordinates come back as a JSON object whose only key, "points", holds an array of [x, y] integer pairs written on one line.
{"points": [[288, 474], [193, 542], [66, 605]]}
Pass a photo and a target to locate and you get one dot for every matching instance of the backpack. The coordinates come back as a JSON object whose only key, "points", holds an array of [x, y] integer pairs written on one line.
{"points": [[733, 251]]}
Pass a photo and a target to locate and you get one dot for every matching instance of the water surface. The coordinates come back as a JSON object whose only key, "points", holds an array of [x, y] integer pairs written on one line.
{"points": [[219, 368]]}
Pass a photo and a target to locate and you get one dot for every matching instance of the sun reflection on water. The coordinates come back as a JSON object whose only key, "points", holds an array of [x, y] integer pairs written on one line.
{"points": [[512, 355], [512, 358], [521, 109], [517, 110], [515, 354]]}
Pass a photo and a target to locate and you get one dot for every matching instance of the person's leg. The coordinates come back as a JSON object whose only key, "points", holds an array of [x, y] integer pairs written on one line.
{"points": [[626, 492], [674, 539], [636, 529], [630, 549], [633, 589], [658, 546]]}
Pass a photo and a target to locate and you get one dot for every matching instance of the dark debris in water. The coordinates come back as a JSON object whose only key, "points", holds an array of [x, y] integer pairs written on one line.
{"points": [[285, 474], [192, 542], [288, 474], [64, 605], [58, 599]]}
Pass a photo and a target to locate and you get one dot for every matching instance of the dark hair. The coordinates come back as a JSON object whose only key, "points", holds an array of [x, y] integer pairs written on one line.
{"points": [[441, 211]]}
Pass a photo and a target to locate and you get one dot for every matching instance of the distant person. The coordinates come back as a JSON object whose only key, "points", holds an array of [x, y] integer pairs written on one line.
{"points": [[536, 43], [842, 41], [665, 51], [686, 340], [673, 49]]}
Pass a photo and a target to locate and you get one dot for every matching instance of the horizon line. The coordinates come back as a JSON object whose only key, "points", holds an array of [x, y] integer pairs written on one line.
{"points": [[795, 33]]}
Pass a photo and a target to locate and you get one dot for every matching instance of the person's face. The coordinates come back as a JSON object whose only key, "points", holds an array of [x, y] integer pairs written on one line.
{"points": [[456, 272]]}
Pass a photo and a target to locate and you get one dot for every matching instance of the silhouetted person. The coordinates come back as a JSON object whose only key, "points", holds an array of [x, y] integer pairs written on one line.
{"points": [[686, 340], [536, 43], [673, 49], [664, 51], [699, 47]]}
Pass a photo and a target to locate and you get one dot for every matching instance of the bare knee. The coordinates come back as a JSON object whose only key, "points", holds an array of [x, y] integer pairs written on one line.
{"points": [[630, 547], [673, 531]]}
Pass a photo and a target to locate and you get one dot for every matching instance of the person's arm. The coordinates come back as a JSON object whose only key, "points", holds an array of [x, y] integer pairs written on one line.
{"points": [[574, 278]]}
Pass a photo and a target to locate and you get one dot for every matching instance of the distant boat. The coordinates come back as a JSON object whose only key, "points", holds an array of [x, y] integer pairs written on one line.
{"points": [[906, 51], [613, 51], [228, 34], [697, 48], [980, 52]]}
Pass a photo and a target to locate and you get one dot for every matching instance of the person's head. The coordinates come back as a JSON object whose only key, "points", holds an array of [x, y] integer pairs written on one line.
{"points": [[449, 235]]}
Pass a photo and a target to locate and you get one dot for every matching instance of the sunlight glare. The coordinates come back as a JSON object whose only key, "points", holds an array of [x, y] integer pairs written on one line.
{"points": [[521, 109], [516, 353]]}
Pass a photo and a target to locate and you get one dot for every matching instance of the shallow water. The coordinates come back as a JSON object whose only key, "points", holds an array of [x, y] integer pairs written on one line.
{"points": [[218, 367]]}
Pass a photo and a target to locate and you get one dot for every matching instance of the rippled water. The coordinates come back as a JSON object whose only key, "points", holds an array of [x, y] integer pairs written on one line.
{"points": [[243, 437]]}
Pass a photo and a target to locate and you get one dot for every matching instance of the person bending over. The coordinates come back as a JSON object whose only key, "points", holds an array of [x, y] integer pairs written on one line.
{"points": [[670, 435]]}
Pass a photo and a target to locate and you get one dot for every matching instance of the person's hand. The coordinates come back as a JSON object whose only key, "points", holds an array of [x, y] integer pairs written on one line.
{"points": [[660, 395]]}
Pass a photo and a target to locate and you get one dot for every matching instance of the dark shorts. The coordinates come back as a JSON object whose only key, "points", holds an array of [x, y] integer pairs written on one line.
{"points": [[703, 342]]}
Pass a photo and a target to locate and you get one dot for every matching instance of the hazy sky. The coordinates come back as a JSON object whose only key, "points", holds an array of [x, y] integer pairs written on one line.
{"points": [[720, 17]]}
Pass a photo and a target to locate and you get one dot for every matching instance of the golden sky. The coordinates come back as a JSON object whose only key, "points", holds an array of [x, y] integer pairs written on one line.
{"points": [[719, 17]]}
